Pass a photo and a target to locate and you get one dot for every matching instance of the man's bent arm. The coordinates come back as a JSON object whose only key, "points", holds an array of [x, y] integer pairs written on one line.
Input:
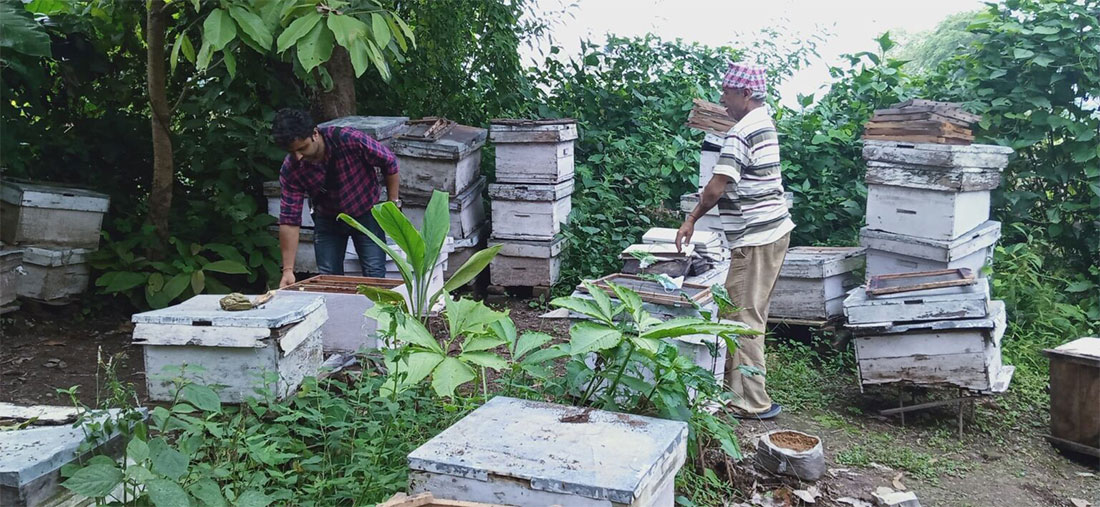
{"points": [[710, 195]]}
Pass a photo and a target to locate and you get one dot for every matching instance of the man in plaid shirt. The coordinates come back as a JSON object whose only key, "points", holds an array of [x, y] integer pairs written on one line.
{"points": [[335, 168]]}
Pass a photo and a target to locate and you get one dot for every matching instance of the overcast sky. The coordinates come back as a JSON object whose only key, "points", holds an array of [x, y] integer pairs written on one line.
{"points": [[854, 24]]}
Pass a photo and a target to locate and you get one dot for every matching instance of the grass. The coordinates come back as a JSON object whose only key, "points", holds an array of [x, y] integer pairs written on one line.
{"points": [[883, 449], [694, 489], [800, 378]]}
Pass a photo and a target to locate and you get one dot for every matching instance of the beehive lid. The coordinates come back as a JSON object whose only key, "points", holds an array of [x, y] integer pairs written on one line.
{"points": [[532, 131], [54, 257], [460, 141], [31, 195], [937, 154], [601, 455], [821, 261], [530, 192], [204, 310], [535, 249], [1082, 350], [378, 127], [995, 319], [706, 239], [980, 237]]}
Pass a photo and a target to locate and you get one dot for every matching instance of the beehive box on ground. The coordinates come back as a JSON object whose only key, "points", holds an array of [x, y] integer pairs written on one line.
{"points": [[813, 282], [533, 151], [282, 337], [963, 353], [889, 253], [466, 210], [53, 274], [520, 452], [965, 302], [31, 458], [347, 329], [10, 272], [528, 211], [1075, 396], [448, 164], [526, 263], [32, 214], [380, 128], [931, 214]]}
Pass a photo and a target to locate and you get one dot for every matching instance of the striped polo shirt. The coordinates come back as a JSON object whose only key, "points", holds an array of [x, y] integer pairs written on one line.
{"points": [[752, 208]]}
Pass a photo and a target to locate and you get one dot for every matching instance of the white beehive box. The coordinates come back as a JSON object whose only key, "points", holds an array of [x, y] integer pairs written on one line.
{"points": [[464, 248], [520, 452], [380, 128], [526, 263], [964, 353], [528, 211], [932, 214], [937, 155], [890, 253], [49, 215], [533, 151], [273, 193], [814, 280], [347, 329], [234, 349], [467, 210], [53, 274], [10, 272], [707, 160], [964, 302], [31, 458], [448, 164]]}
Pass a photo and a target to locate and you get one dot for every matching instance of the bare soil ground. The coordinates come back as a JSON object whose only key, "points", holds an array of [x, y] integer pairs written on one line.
{"points": [[41, 352]]}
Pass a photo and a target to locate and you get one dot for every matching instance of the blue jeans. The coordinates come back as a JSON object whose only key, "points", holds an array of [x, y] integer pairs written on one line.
{"points": [[331, 242]]}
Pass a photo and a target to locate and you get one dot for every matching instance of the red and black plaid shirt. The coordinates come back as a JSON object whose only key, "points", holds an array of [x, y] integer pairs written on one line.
{"points": [[352, 186]]}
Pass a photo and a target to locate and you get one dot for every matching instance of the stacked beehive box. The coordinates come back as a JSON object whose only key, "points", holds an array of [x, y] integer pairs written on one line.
{"points": [[531, 199], [438, 154], [928, 203], [929, 333], [381, 129], [813, 282], [56, 227]]}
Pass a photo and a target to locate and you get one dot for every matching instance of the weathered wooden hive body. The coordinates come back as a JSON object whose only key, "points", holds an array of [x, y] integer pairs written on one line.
{"points": [[533, 151], [813, 282], [526, 263], [282, 337], [966, 302], [53, 274], [466, 210], [44, 215], [889, 252], [1075, 396], [529, 211], [10, 274], [449, 164], [520, 452]]}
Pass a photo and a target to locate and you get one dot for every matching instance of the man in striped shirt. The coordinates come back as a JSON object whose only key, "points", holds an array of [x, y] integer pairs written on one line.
{"points": [[748, 189]]}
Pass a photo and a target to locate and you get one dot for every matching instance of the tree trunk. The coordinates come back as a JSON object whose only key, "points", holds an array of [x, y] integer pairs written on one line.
{"points": [[160, 195], [340, 101]]}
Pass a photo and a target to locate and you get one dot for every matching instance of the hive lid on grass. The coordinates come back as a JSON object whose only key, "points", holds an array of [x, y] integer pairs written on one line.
{"points": [[378, 127], [204, 310], [600, 455], [32, 195]]}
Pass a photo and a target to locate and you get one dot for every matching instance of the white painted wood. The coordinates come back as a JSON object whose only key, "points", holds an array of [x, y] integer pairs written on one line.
{"points": [[529, 220], [530, 192], [533, 249], [922, 213], [508, 271], [53, 274], [964, 179], [966, 302], [689, 201], [710, 223], [30, 195], [421, 176], [810, 298], [50, 215], [715, 275], [821, 261], [707, 160], [886, 263], [934, 154], [538, 163], [274, 205], [552, 133], [380, 128], [43, 414], [456, 144], [467, 211], [943, 251], [292, 336], [200, 336], [10, 272]]}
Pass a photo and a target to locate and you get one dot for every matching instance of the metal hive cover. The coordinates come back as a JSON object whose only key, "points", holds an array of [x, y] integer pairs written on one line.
{"points": [[204, 310]]}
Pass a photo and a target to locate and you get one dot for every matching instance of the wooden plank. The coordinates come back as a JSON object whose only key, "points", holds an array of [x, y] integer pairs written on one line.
{"points": [[962, 370], [932, 178], [821, 262], [709, 117], [972, 303], [429, 128], [915, 138], [929, 115], [909, 282], [651, 291], [939, 155], [291, 336], [979, 238], [201, 336]]}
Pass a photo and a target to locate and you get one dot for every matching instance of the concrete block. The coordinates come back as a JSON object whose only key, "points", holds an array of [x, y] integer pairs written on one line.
{"points": [[520, 452], [234, 349], [53, 274], [51, 215], [931, 214]]}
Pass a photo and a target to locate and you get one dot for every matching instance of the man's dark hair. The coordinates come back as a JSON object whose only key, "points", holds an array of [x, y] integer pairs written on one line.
{"points": [[290, 125]]}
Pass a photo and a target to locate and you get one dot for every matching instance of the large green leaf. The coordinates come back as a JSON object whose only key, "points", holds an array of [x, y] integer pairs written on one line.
{"points": [[484, 359], [505, 329], [450, 374], [125, 280], [360, 60], [603, 301], [467, 316], [419, 365], [21, 33], [587, 336], [630, 299], [198, 282], [401, 230], [96, 480], [470, 269], [687, 325], [165, 493], [405, 28], [482, 342], [218, 29], [316, 47], [346, 29], [176, 286], [650, 345], [437, 225], [380, 295], [529, 341], [412, 331], [208, 492], [137, 450], [166, 460], [379, 60], [547, 354], [380, 29], [402, 264], [202, 397], [252, 25], [585, 307], [297, 29], [253, 498], [226, 266]]}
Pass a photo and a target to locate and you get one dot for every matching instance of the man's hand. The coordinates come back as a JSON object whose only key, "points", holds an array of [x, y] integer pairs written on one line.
{"points": [[287, 279], [684, 233]]}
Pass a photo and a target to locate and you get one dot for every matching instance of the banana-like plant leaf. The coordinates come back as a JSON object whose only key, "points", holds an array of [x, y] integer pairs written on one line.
{"points": [[437, 224], [450, 374], [380, 295], [402, 265], [401, 230]]}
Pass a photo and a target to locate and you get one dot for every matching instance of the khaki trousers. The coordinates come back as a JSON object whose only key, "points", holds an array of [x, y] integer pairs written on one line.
{"points": [[751, 278]]}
